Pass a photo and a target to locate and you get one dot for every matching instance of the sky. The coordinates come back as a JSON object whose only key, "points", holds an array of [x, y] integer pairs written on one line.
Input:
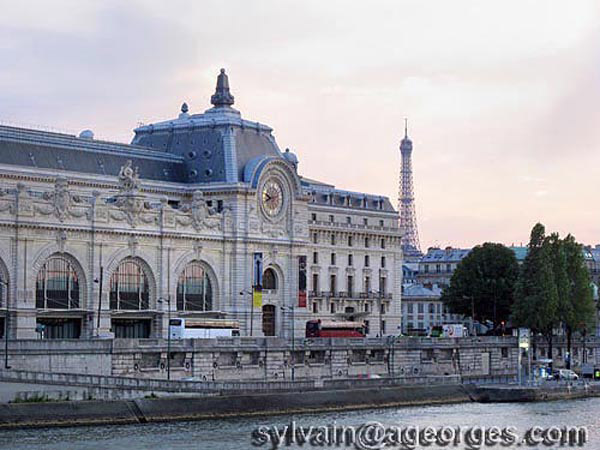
{"points": [[502, 98]]}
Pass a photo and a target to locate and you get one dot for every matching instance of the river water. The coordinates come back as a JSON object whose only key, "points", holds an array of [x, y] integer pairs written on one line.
{"points": [[234, 434]]}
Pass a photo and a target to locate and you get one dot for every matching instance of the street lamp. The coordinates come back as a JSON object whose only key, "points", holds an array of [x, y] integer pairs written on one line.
{"points": [[292, 362], [379, 298], [5, 285], [251, 308], [168, 300]]}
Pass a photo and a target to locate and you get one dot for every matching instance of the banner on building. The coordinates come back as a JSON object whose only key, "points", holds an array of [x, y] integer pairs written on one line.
{"points": [[302, 281], [257, 297], [257, 280], [258, 270]]}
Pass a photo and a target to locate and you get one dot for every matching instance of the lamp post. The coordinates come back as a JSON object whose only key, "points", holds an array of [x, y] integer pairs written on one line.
{"points": [[292, 362], [380, 301], [251, 308], [168, 300], [5, 285]]}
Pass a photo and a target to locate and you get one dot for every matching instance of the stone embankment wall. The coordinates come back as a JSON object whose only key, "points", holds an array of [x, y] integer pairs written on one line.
{"points": [[270, 359]]}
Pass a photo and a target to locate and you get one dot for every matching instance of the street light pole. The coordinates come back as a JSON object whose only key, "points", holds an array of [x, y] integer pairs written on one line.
{"points": [[5, 286], [251, 308], [169, 337], [292, 362]]}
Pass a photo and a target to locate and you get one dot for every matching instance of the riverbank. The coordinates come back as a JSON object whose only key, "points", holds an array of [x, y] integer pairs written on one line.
{"points": [[144, 410], [170, 408]]}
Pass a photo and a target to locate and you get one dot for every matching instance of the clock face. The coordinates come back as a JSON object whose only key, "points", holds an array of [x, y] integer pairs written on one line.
{"points": [[272, 197]]}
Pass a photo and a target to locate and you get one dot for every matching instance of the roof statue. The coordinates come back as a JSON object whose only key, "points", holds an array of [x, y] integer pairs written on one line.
{"points": [[222, 97], [128, 178]]}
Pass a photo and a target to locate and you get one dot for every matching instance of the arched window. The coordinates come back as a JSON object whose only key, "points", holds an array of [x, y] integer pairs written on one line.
{"points": [[129, 287], [194, 289], [57, 285], [269, 279]]}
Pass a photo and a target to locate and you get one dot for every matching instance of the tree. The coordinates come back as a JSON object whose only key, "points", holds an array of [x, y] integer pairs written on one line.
{"points": [[536, 295], [581, 309], [483, 283]]}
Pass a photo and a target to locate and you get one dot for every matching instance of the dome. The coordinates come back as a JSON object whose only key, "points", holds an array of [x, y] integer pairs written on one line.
{"points": [[290, 157], [86, 134]]}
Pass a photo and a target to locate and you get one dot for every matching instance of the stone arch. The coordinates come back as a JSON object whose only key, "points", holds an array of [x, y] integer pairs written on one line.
{"points": [[270, 279], [208, 264], [51, 251], [5, 277], [279, 274], [255, 169], [125, 255]]}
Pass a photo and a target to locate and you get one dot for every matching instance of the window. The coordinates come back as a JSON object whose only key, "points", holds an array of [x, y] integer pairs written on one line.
{"points": [[348, 220], [409, 307], [315, 258], [382, 285], [269, 279], [382, 243], [331, 218], [366, 326], [366, 307], [349, 241], [383, 262], [194, 289], [383, 327], [129, 287], [367, 284], [448, 268], [350, 285], [332, 308], [366, 260], [315, 284], [315, 237], [313, 217], [365, 221], [332, 239], [315, 308], [333, 259], [350, 259], [57, 285], [367, 242], [381, 223], [431, 308], [504, 351], [382, 308], [333, 284], [426, 268], [437, 268], [420, 309]]}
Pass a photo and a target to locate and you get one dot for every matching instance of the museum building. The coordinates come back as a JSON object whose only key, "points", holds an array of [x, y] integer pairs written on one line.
{"points": [[190, 220]]}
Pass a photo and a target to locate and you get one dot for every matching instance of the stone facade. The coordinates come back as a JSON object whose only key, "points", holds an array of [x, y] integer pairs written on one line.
{"points": [[107, 239]]}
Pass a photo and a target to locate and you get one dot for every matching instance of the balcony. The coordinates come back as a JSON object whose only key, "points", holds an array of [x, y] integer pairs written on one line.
{"points": [[348, 295], [352, 226]]}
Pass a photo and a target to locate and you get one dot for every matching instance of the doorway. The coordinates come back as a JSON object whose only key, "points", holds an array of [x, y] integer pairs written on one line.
{"points": [[268, 320]]}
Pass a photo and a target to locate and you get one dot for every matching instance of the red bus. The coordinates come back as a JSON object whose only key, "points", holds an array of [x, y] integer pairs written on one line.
{"points": [[330, 328]]}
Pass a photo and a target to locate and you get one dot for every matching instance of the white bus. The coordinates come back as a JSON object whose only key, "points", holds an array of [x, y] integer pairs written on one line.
{"points": [[203, 328]]}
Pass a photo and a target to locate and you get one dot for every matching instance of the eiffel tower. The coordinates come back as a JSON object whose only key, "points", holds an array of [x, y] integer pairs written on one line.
{"points": [[406, 202]]}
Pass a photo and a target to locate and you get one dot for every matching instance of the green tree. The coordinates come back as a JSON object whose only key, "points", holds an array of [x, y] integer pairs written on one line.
{"points": [[579, 316], [536, 295], [483, 284]]}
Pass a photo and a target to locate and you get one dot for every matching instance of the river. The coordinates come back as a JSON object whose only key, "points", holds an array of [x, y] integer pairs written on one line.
{"points": [[234, 434]]}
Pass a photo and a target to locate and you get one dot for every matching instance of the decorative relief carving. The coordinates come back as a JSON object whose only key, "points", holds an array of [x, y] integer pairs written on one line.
{"points": [[62, 203], [133, 244], [61, 239], [201, 216], [130, 202]]}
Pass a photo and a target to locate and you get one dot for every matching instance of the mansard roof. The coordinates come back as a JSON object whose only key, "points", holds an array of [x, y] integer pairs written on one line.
{"points": [[57, 151]]}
